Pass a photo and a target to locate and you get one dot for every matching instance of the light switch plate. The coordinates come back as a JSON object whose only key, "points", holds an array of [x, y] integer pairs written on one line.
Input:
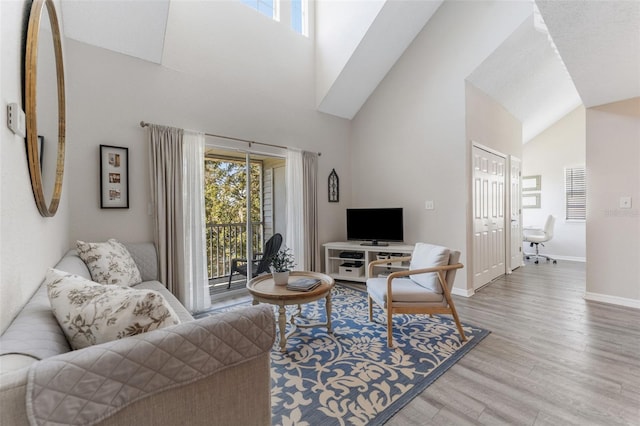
{"points": [[16, 119], [625, 202], [428, 205]]}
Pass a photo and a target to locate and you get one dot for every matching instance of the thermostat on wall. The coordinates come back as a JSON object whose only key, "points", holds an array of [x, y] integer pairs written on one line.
{"points": [[15, 119]]}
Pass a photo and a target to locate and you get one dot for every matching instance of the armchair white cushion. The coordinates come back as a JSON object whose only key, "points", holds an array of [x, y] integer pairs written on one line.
{"points": [[423, 289], [426, 256]]}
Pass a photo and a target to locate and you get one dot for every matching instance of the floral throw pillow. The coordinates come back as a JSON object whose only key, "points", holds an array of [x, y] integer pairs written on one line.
{"points": [[90, 313], [109, 263]]}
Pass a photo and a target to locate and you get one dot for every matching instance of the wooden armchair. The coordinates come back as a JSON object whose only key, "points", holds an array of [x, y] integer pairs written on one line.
{"points": [[423, 289]]}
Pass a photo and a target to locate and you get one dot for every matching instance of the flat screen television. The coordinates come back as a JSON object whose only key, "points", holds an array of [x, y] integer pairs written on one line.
{"points": [[375, 226]]}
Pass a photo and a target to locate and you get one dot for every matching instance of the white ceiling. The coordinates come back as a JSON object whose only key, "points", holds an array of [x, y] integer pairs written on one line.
{"points": [[380, 48], [526, 75], [135, 28], [598, 41]]}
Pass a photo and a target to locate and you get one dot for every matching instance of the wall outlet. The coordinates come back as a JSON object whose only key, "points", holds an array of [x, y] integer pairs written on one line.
{"points": [[428, 205], [16, 120], [625, 202]]}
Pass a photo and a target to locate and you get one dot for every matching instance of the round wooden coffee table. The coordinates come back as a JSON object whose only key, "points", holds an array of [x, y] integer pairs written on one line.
{"points": [[264, 290]]}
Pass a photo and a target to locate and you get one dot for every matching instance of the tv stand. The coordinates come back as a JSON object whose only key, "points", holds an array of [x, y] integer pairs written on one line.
{"points": [[374, 244], [335, 259]]}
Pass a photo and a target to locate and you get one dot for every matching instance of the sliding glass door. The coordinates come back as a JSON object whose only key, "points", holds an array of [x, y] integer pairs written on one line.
{"points": [[244, 202]]}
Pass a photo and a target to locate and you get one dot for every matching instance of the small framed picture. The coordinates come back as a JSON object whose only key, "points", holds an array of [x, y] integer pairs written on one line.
{"points": [[114, 177], [530, 201], [531, 183]]}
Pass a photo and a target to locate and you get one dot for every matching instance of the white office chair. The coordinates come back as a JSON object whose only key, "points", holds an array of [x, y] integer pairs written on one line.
{"points": [[538, 238]]}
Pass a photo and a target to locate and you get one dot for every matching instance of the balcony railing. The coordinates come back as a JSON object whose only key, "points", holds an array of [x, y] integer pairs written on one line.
{"points": [[228, 241]]}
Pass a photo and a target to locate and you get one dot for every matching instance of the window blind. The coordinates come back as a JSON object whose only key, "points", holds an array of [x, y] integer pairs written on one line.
{"points": [[576, 193]]}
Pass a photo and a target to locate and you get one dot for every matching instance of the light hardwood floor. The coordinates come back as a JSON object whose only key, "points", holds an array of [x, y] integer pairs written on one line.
{"points": [[552, 358]]}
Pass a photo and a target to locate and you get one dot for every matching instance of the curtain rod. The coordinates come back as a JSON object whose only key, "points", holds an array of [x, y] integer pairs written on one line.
{"points": [[145, 124]]}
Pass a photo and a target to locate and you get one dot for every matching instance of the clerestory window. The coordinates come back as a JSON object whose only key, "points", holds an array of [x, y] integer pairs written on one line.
{"points": [[266, 7], [296, 10]]}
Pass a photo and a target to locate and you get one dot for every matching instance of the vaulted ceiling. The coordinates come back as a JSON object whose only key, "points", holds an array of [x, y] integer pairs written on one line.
{"points": [[595, 60]]}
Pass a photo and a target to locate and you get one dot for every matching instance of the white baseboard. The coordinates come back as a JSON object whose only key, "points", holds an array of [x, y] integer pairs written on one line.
{"points": [[462, 292], [569, 258], [559, 257], [614, 300]]}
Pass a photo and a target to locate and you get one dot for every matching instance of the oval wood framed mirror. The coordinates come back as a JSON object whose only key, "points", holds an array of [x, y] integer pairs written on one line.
{"points": [[45, 106]]}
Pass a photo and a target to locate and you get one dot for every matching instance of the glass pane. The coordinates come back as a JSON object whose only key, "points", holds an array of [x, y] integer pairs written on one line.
{"points": [[251, 3], [226, 211], [266, 7], [296, 15], [233, 232]]}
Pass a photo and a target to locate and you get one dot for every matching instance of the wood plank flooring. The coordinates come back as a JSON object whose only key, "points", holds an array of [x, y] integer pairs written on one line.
{"points": [[552, 357]]}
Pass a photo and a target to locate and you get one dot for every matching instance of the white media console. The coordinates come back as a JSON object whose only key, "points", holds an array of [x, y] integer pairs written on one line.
{"points": [[349, 261]]}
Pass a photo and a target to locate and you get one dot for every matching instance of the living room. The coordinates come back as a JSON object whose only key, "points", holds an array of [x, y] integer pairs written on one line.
{"points": [[262, 82]]}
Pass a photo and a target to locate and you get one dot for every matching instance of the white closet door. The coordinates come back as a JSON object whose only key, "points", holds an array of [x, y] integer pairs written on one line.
{"points": [[515, 209], [488, 216]]}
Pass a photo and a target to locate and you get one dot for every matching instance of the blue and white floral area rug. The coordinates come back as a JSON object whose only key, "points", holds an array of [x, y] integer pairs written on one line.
{"points": [[350, 377]]}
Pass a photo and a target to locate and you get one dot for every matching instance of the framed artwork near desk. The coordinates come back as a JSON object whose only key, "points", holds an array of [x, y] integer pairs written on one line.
{"points": [[531, 183], [531, 201]]}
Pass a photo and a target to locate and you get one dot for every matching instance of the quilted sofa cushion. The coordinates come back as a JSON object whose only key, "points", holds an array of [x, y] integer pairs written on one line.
{"points": [[35, 331], [146, 258], [83, 387]]}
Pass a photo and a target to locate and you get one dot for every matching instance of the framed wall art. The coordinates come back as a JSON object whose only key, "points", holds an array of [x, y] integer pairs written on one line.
{"points": [[530, 201], [114, 177], [334, 187], [531, 183]]}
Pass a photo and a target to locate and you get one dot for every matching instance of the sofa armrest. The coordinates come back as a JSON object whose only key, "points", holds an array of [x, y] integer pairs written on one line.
{"points": [[35, 332], [90, 385]]}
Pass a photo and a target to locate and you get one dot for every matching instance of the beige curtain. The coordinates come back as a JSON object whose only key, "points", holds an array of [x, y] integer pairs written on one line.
{"points": [[166, 195], [310, 207]]}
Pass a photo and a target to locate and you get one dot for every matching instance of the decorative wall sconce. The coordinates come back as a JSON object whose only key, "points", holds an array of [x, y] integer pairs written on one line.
{"points": [[334, 187]]}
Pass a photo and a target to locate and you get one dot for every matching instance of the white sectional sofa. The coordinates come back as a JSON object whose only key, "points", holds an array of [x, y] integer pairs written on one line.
{"points": [[212, 371]]}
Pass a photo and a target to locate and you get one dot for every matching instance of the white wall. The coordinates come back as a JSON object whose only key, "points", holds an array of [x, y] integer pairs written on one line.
{"points": [[228, 45], [408, 140], [29, 243], [240, 90], [548, 154], [613, 234], [490, 124]]}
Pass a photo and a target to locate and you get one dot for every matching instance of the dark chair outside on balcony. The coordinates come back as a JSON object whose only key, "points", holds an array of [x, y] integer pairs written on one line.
{"points": [[260, 264]]}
